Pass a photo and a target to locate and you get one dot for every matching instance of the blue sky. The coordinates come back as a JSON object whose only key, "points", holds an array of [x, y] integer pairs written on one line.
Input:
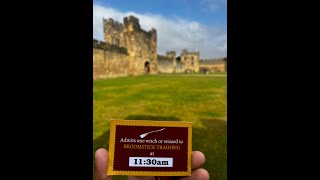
{"points": [[197, 25]]}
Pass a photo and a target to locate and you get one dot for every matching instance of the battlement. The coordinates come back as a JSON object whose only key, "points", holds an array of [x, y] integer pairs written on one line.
{"points": [[171, 55], [153, 31], [109, 20], [147, 34], [132, 19], [162, 58], [112, 23], [131, 22], [185, 52], [109, 47]]}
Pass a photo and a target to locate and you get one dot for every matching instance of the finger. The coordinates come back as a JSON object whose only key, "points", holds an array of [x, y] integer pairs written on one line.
{"points": [[141, 178], [165, 178], [199, 174], [101, 165], [198, 159]]}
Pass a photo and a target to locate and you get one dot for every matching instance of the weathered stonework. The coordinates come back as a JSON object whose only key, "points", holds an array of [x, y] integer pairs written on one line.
{"points": [[129, 50], [165, 65], [109, 64], [186, 62], [214, 65], [190, 60], [141, 45]]}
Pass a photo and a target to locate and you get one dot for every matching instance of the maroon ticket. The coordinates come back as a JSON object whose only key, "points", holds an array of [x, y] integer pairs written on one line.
{"points": [[150, 148]]}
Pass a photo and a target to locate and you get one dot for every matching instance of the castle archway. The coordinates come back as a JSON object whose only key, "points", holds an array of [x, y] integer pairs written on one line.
{"points": [[147, 67]]}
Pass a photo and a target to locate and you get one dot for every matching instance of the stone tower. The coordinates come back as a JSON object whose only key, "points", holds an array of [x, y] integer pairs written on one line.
{"points": [[190, 60], [171, 55], [141, 45], [113, 32]]}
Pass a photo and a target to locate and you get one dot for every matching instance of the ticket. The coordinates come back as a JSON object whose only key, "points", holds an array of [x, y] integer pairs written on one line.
{"points": [[150, 148]]}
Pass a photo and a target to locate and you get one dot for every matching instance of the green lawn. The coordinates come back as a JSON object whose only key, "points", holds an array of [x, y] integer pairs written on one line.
{"points": [[199, 99]]}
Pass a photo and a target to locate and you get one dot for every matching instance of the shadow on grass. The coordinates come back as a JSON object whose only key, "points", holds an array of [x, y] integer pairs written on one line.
{"points": [[211, 140], [148, 117], [102, 141]]}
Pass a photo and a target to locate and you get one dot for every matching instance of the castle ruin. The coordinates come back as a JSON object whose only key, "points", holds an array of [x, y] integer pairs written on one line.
{"points": [[186, 62], [129, 50]]}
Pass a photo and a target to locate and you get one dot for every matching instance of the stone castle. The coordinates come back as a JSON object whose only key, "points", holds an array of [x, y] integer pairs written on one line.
{"points": [[129, 50]]}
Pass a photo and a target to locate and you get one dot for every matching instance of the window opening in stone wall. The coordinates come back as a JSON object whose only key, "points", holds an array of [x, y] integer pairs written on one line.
{"points": [[117, 42]]}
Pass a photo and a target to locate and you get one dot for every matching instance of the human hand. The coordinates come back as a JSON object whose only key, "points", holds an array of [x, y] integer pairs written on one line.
{"points": [[197, 161]]}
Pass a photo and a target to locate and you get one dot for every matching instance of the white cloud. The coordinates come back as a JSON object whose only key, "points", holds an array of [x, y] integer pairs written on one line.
{"points": [[214, 5], [172, 34]]}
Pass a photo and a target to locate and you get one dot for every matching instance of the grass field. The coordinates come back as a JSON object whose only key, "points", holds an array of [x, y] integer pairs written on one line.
{"points": [[197, 98]]}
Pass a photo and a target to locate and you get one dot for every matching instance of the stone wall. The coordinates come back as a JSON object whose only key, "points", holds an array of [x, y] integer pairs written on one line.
{"points": [[165, 66], [109, 47], [109, 64], [214, 65], [179, 67]]}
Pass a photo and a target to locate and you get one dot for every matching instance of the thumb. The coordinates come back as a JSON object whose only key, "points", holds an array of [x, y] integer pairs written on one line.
{"points": [[100, 172]]}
